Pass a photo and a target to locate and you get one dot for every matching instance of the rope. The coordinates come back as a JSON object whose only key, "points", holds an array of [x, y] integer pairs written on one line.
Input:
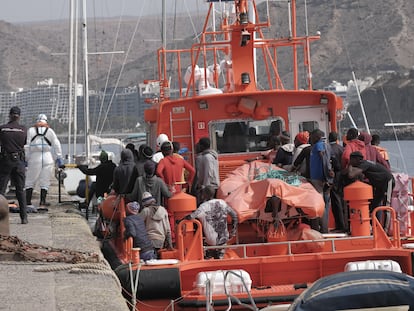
{"points": [[97, 266], [122, 68], [110, 66], [90, 268]]}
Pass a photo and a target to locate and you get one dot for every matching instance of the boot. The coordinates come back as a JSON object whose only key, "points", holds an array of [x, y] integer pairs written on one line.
{"points": [[29, 192], [43, 194]]}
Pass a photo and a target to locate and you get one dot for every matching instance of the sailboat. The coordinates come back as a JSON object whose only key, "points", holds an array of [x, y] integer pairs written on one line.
{"points": [[93, 143], [217, 89]]}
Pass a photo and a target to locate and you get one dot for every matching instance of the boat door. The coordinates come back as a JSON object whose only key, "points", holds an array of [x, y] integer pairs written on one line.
{"points": [[308, 119]]}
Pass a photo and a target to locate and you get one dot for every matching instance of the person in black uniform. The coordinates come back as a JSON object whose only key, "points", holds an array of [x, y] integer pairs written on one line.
{"points": [[12, 158]]}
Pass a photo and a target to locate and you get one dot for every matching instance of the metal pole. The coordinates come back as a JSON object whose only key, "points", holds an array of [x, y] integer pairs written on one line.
{"points": [[85, 79], [360, 103], [75, 81], [70, 82]]}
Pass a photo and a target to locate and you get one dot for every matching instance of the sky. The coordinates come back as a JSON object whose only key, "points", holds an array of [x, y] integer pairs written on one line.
{"points": [[17, 11]]}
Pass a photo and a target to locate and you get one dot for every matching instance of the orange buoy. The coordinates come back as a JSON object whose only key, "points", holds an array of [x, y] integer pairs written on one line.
{"points": [[358, 195]]}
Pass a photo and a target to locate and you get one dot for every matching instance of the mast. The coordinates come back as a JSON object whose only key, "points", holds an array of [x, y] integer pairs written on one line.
{"points": [[70, 82], [361, 104], [85, 79], [75, 80]]}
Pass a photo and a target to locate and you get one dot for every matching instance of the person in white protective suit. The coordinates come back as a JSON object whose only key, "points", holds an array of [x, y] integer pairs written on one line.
{"points": [[42, 148]]}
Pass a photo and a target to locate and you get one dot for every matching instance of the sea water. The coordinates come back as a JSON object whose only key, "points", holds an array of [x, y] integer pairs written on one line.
{"points": [[401, 155]]}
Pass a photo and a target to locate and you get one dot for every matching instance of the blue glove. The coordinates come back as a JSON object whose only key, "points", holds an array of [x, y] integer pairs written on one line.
{"points": [[60, 163]]}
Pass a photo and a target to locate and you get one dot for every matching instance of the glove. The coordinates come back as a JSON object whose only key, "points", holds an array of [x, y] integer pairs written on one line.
{"points": [[60, 163]]}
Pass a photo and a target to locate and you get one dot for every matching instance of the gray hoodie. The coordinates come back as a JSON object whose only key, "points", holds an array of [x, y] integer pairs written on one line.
{"points": [[207, 169], [158, 226]]}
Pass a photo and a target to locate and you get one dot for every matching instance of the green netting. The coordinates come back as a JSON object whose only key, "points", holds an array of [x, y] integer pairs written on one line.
{"points": [[292, 179]]}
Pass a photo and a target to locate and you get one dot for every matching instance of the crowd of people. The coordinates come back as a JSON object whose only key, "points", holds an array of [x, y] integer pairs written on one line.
{"points": [[148, 179], [330, 166]]}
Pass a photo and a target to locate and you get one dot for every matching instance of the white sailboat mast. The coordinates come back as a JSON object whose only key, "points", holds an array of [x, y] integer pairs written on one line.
{"points": [[85, 79], [70, 82]]}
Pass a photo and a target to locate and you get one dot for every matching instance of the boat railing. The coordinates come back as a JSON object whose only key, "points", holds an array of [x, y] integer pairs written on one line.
{"points": [[289, 244], [387, 238]]}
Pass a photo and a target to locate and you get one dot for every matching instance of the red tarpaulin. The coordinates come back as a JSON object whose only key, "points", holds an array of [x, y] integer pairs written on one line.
{"points": [[248, 196]]}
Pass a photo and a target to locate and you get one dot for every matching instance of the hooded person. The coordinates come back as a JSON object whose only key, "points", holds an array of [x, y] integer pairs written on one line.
{"points": [[125, 173], [42, 147], [149, 182], [135, 228], [170, 169], [372, 154], [206, 165], [156, 221]]}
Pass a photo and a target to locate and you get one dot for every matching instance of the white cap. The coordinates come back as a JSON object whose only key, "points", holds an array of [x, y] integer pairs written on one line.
{"points": [[161, 139], [42, 118]]}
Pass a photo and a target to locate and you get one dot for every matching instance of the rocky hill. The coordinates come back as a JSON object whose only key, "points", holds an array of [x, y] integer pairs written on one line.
{"points": [[364, 36]]}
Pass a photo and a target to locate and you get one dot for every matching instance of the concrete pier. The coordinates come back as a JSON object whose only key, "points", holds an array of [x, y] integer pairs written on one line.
{"points": [[39, 285]]}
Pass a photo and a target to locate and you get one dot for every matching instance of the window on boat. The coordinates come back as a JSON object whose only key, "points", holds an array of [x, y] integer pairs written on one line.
{"points": [[237, 136], [308, 126]]}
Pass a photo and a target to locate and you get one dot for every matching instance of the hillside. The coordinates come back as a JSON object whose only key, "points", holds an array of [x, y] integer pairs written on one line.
{"points": [[366, 37]]}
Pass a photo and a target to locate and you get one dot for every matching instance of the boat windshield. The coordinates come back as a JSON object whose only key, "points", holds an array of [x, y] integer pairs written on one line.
{"points": [[234, 136]]}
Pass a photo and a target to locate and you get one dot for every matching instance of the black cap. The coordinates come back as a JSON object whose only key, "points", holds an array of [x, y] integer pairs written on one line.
{"points": [[15, 110], [356, 154]]}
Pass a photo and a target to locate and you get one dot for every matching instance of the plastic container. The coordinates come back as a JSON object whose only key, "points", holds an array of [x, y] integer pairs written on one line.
{"points": [[387, 265], [237, 281]]}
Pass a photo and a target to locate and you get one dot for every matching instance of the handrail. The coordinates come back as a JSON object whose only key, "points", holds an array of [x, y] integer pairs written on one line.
{"points": [[244, 247]]}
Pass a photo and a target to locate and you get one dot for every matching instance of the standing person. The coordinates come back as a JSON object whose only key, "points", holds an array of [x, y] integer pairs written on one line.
{"points": [[145, 153], [131, 147], [352, 144], [382, 150], [135, 228], [213, 216], [284, 154], [170, 168], [372, 154], [339, 209], [125, 173], [104, 173], [151, 183], [42, 145], [12, 159], [206, 168], [321, 174], [158, 155], [301, 141], [156, 222]]}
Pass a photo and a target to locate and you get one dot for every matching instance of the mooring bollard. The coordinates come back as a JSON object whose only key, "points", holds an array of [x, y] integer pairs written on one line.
{"points": [[4, 216]]}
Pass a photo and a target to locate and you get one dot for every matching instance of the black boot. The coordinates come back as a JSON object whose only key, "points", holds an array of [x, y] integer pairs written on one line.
{"points": [[43, 194], [29, 192]]}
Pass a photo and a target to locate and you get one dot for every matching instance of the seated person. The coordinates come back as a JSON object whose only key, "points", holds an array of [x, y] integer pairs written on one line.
{"points": [[213, 216], [135, 228], [104, 175]]}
